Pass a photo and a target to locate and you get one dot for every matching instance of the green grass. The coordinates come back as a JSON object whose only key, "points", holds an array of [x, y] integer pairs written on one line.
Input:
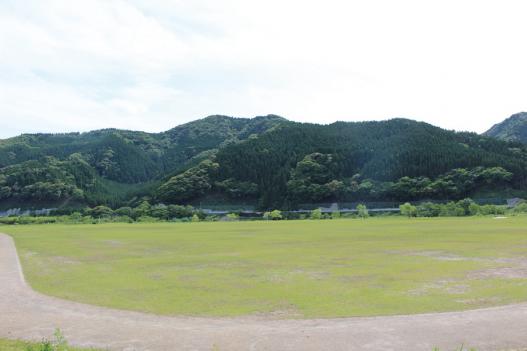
{"points": [[16, 345], [289, 269]]}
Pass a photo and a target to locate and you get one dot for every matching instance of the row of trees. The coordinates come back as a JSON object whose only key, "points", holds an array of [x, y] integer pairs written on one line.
{"points": [[143, 211], [466, 207]]}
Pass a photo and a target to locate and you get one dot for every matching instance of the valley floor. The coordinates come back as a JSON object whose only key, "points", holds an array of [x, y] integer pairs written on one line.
{"points": [[28, 314], [281, 269]]}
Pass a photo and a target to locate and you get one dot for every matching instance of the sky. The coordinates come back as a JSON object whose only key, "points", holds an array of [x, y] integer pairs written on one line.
{"points": [[153, 64]]}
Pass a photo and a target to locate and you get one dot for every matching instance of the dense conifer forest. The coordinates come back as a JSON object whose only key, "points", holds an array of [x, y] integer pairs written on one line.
{"points": [[268, 161]]}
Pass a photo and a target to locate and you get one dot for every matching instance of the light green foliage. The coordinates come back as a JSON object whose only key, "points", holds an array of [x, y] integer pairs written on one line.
{"points": [[195, 218], [473, 209], [143, 209], [275, 215], [408, 210], [335, 215], [233, 216], [188, 185], [521, 207], [316, 214], [388, 265], [58, 343], [362, 211]]}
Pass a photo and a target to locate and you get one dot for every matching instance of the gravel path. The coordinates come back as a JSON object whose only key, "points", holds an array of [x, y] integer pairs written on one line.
{"points": [[26, 314]]}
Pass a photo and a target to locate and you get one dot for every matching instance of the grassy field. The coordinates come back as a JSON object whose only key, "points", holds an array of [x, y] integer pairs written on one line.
{"points": [[15, 345], [288, 269]]}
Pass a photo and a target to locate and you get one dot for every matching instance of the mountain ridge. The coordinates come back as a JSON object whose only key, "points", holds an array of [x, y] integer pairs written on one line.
{"points": [[266, 159], [513, 128]]}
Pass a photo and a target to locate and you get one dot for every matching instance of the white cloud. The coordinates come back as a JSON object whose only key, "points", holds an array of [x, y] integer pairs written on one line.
{"points": [[153, 64]]}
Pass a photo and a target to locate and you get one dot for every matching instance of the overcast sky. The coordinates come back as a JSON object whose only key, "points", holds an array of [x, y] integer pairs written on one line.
{"points": [[152, 64]]}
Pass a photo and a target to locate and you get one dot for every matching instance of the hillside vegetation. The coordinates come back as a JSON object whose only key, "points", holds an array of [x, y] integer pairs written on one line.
{"points": [[107, 166], [268, 161], [513, 128]]}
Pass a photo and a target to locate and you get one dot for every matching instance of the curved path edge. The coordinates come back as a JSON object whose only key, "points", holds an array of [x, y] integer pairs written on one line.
{"points": [[26, 314]]}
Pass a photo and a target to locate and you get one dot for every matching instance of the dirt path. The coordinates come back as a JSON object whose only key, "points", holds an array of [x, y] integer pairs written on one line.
{"points": [[27, 314]]}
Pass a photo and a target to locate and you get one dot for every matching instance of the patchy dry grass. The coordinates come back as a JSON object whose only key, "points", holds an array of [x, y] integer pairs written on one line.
{"points": [[295, 269]]}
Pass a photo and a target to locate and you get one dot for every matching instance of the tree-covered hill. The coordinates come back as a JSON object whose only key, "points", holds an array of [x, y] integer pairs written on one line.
{"points": [[113, 156], [265, 160], [299, 163], [513, 128]]}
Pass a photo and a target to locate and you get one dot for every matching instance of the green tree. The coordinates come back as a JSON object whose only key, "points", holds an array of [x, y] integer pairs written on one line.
{"points": [[473, 209], [408, 210], [159, 211], [316, 214], [428, 209], [521, 207], [362, 211], [141, 210], [233, 216], [102, 212], [275, 215], [124, 211], [188, 185], [178, 211]]}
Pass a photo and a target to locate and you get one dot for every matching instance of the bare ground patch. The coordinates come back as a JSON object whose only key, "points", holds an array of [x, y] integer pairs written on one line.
{"points": [[449, 286], [499, 272]]}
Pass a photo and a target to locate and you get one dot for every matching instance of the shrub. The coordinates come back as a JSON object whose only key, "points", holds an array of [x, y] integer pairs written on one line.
{"points": [[101, 212], [362, 211], [408, 210], [428, 209], [233, 217], [521, 207], [275, 215], [147, 219], [316, 214]]}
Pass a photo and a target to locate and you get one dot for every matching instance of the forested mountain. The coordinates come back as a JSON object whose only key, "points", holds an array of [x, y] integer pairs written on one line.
{"points": [[112, 159], [513, 128], [364, 160], [267, 160]]}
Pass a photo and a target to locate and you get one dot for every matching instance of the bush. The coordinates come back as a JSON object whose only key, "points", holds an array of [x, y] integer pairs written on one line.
{"points": [[101, 212], [316, 214], [521, 207], [408, 210], [233, 217], [428, 209], [124, 211], [273, 215], [362, 211], [178, 211], [147, 219]]}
